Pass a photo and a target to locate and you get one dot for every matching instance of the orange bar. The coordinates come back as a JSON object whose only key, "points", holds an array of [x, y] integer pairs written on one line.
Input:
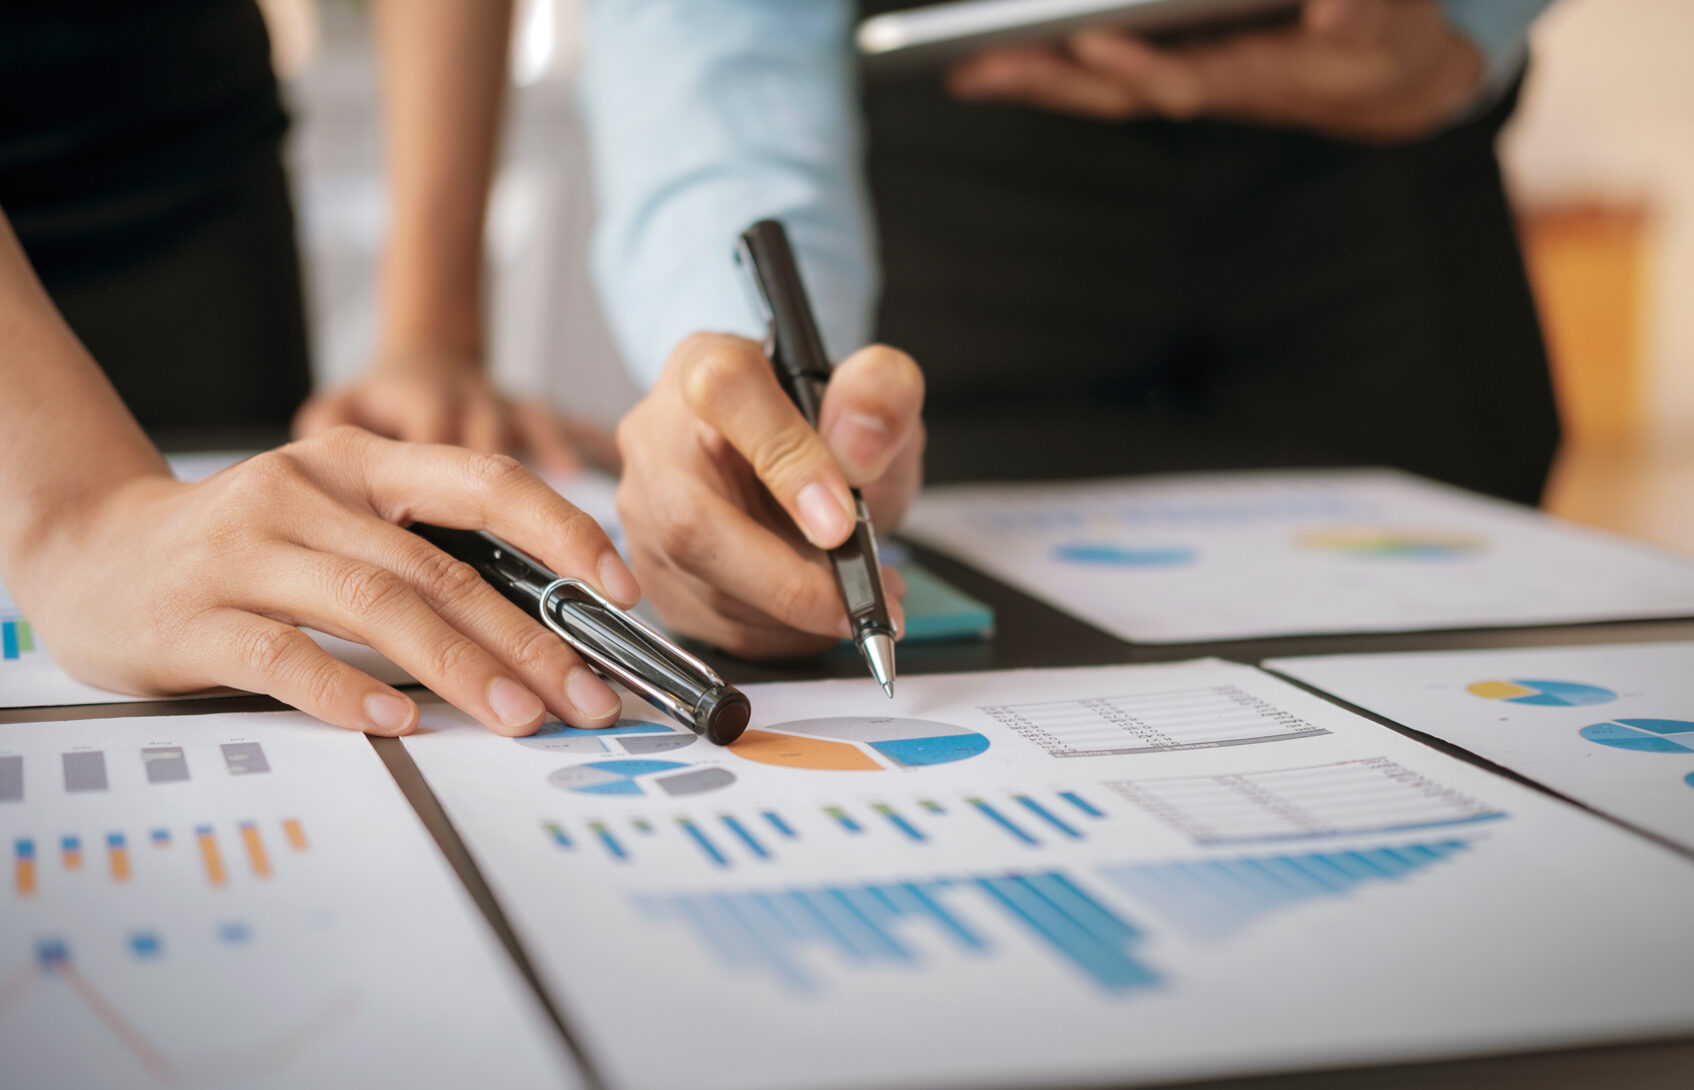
{"points": [[72, 849], [209, 855], [296, 835], [118, 852], [255, 849]]}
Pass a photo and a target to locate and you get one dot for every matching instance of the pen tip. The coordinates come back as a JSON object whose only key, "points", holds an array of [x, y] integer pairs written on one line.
{"points": [[878, 650]]}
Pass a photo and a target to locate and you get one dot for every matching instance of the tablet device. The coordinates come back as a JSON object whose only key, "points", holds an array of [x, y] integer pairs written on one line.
{"points": [[938, 33]]}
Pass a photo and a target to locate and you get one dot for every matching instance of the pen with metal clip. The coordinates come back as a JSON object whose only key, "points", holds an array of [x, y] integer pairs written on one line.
{"points": [[802, 367], [610, 640]]}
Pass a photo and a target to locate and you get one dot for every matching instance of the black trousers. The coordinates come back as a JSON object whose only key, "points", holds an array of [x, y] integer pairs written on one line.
{"points": [[1091, 299]]}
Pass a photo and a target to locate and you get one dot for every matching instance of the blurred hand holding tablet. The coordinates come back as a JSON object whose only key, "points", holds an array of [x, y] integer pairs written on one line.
{"points": [[942, 32]]}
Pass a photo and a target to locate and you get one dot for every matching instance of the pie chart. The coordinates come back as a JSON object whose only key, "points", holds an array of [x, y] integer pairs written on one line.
{"points": [[624, 736], [1390, 544], [1646, 735], [640, 779], [859, 744], [1548, 694], [1108, 555]]}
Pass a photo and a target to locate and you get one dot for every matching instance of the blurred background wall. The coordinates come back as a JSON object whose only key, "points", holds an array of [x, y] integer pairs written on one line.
{"points": [[1600, 160]]}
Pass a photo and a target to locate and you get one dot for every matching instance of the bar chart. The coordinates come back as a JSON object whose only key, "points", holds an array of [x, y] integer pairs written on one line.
{"points": [[1203, 717], [1215, 898], [1362, 797], [877, 925], [738, 837], [244, 848], [189, 901], [17, 638], [88, 771]]}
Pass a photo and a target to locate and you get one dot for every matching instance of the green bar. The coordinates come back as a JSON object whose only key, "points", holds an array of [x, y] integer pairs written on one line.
{"points": [[26, 636]]}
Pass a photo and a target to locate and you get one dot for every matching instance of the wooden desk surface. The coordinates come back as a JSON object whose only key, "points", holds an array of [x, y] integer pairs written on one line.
{"points": [[1031, 634]]}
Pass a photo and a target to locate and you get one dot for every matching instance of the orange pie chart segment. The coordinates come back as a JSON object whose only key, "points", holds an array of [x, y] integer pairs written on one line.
{"points": [[795, 752]]}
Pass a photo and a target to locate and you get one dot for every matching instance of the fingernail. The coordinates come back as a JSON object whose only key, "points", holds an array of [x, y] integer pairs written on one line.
{"points": [[387, 713], [618, 581], [515, 705], [825, 518], [592, 697], [858, 439]]}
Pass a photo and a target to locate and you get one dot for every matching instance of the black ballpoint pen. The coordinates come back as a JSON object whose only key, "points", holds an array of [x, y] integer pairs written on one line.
{"points": [[802, 367], [608, 639]]}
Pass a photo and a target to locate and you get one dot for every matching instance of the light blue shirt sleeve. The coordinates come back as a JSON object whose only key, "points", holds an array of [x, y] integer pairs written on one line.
{"points": [[1500, 31], [702, 118]]}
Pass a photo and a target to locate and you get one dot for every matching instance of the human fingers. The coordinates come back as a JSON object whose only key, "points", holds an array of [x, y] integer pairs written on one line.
{"points": [[377, 607], [544, 436], [469, 490], [483, 422], [262, 655], [1166, 82], [740, 611], [684, 525], [673, 595], [1046, 79], [728, 385], [321, 412], [454, 590], [871, 409], [1350, 21]]}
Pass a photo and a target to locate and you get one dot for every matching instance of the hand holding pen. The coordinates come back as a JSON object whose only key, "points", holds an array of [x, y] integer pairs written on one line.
{"points": [[728, 493]]}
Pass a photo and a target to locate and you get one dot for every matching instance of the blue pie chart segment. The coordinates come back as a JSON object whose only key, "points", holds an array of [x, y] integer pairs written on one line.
{"points": [[1689, 780], [1108, 555], [1644, 735]]}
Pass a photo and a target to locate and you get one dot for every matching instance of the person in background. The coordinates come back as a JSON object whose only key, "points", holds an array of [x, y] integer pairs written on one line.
{"points": [[140, 176], [1282, 247]]}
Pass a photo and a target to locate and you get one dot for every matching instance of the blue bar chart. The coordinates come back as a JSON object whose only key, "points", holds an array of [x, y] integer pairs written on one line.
{"points": [[725, 839], [872, 925], [1215, 898]]}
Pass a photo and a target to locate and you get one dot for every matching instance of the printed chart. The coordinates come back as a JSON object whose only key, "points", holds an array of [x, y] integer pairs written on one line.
{"points": [[1541, 693], [1388, 543], [1199, 718], [1200, 557], [185, 901], [1644, 735], [1348, 798], [1219, 897], [740, 836], [637, 736], [865, 925], [1007, 915], [1611, 726], [849, 744], [638, 778]]}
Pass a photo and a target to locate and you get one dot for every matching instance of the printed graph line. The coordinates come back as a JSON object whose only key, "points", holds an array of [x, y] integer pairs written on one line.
{"points": [[53, 962]]}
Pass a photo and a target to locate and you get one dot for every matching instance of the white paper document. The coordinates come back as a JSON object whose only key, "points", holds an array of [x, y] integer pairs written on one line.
{"points": [[1224, 556], [1611, 726], [1115, 875], [240, 901]]}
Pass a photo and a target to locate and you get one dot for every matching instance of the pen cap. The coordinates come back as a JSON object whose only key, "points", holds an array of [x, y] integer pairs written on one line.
{"points": [[722, 714], [776, 275]]}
